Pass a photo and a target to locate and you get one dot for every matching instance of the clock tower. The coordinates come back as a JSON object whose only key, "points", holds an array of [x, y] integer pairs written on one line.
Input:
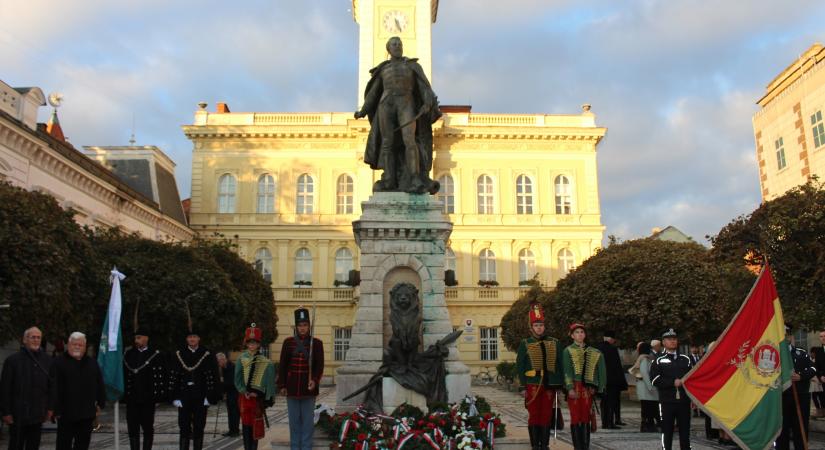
{"points": [[379, 20]]}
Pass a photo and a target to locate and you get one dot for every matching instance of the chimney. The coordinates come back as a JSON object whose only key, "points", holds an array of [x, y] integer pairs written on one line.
{"points": [[222, 107]]}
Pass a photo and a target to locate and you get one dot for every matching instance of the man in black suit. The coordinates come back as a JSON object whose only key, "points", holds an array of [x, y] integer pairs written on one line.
{"points": [[616, 382]]}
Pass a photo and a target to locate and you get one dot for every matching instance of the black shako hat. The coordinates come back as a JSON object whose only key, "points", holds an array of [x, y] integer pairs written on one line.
{"points": [[142, 331], [610, 334], [788, 327], [670, 333], [301, 315]]}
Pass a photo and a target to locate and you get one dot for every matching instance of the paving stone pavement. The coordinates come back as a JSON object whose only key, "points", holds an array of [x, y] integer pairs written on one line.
{"points": [[508, 404]]}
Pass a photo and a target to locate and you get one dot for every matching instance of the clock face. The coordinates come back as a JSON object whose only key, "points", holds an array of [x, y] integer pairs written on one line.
{"points": [[395, 21]]}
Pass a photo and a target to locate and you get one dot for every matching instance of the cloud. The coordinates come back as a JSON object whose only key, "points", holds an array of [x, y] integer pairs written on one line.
{"points": [[673, 81]]}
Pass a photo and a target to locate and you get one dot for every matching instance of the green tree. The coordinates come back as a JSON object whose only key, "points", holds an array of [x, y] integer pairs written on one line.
{"points": [[639, 288], [789, 231], [43, 267]]}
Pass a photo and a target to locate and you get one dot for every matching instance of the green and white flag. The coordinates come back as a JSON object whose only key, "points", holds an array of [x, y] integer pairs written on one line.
{"points": [[110, 353]]}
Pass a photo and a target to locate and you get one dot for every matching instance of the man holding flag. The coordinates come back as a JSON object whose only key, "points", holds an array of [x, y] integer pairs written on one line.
{"points": [[739, 382], [796, 403]]}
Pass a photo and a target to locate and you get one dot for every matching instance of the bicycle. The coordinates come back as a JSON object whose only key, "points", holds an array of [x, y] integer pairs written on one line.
{"points": [[483, 377]]}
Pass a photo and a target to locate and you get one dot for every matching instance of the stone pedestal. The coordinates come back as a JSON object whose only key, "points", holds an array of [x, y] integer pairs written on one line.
{"points": [[395, 395], [403, 238]]}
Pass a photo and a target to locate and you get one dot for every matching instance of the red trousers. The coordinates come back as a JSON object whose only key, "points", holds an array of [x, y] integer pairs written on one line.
{"points": [[539, 403], [580, 406], [252, 415]]}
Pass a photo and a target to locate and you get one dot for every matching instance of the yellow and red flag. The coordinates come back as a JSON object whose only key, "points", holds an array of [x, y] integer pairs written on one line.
{"points": [[739, 382]]}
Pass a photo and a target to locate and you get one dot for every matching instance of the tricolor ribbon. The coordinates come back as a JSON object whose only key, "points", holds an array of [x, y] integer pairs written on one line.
{"points": [[404, 440], [491, 434], [430, 441], [345, 429]]}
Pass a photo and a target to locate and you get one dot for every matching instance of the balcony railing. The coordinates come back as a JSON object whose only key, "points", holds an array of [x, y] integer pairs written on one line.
{"points": [[458, 294]]}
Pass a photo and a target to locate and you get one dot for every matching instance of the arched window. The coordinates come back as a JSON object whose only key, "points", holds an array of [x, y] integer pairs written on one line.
{"points": [[263, 263], [226, 194], [305, 195], [266, 194], [344, 195], [449, 260], [567, 261], [343, 264], [446, 193], [526, 265], [564, 195], [487, 265], [303, 267], [484, 186], [524, 195]]}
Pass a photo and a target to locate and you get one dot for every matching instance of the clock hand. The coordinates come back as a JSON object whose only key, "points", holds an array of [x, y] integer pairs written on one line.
{"points": [[397, 25]]}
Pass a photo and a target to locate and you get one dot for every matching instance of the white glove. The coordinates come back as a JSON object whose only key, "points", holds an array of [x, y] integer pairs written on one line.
{"points": [[177, 404], [205, 402]]}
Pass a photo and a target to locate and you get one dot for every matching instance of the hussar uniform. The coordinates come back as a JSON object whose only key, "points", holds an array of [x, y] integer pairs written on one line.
{"points": [[145, 384], [538, 362], [585, 374], [254, 374], [302, 360]]}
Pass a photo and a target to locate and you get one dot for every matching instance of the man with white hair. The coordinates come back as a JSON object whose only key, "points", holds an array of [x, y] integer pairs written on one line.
{"points": [[24, 389], [656, 346], [77, 394]]}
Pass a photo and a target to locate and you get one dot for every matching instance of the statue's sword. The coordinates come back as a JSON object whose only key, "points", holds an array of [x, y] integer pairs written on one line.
{"points": [[407, 123]]}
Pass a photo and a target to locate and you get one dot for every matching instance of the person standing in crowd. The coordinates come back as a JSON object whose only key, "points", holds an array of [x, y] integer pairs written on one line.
{"points": [[819, 364], [76, 394], [645, 391], [255, 382], [299, 373], [584, 377], [655, 347], [194, 386], [803, 371], [538, 362], [227, 373], [24, 392], [816, 385], [146, 383], [666, 374], [616, 382]]}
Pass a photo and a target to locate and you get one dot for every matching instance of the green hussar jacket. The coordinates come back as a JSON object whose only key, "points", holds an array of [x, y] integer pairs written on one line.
{"points": [[585, 364], [538, 361]]}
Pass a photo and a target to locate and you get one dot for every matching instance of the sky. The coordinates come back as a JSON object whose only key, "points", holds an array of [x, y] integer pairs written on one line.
{"points": [[674, 81]]}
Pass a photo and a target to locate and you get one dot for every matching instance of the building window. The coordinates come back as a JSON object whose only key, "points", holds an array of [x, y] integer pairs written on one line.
{"points": [[485, 194], [340, 344], [344, 195], [303, 267], [818, 129], [263, 263], [446, 193], [780, 154], [566, 260], [343, 264], [226, 194], [489, 343], [305, 195], [526, 265], [487, 265], [524, 195], [266, 194], [563, 196], [449, 260]]}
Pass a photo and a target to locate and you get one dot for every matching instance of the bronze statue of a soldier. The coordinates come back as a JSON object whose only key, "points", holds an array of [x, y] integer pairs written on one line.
{"points": [[401, 107]]}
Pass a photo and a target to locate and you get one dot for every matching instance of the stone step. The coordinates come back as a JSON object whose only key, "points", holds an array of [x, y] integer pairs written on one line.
{"points": [[506, 443]]}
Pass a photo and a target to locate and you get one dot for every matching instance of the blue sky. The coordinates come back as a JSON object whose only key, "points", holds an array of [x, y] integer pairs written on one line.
{"points": [[674, 81]]}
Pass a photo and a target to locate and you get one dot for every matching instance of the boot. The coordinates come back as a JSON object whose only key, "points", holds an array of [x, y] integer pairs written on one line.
{"points": [[545, 438], [576, 435], [148, 439], [134, 442], [586, 437], [531, 430], [184, 443], [197, 443]]}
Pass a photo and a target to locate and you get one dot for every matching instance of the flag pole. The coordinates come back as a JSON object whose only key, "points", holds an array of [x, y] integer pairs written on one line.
{"points": [[802, 430], [117, 425]]}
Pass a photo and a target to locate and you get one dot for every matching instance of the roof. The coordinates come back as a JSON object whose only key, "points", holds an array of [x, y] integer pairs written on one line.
{"points": [[806, 61], [673, 234]]}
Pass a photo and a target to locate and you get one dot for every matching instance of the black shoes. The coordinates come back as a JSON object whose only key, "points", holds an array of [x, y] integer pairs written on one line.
{"points": [[231, 434]]}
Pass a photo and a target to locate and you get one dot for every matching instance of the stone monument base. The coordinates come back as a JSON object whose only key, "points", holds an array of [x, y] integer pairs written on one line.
{"points": [[395, 395]]}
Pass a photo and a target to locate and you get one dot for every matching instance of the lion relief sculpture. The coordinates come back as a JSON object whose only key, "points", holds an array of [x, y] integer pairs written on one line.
{"points": [[405, 319]]}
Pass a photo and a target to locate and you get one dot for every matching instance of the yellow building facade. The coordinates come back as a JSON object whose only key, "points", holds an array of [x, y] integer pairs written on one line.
{"points": [[790, 125], [520, 190]]}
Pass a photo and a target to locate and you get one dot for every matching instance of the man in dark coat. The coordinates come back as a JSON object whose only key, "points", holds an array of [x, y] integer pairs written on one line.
{"points": [[76, 394], [299, 374], [24, 391], [616, 382], [803, 371], [666, 374], [818, 355], [194, 386], [146, 384], [401, 107], [230, 393]]}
